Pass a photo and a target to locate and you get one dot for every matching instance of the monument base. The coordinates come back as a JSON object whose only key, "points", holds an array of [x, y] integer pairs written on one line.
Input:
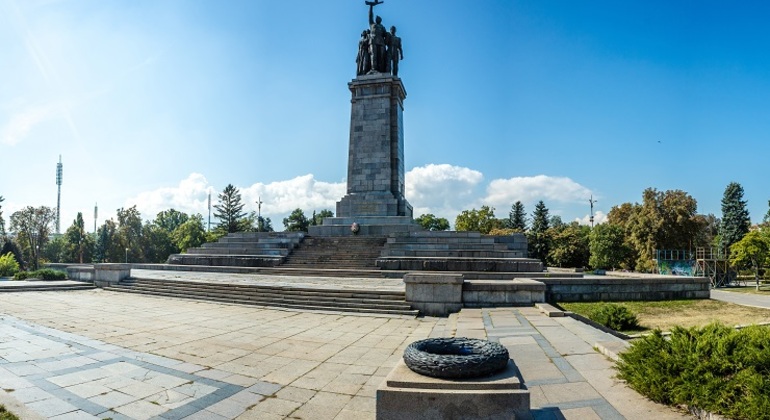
{"points": [[408, 395], [367, 226]]}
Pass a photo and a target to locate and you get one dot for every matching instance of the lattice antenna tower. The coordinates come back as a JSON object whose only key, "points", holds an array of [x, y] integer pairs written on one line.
{"points": [[58, 196]]}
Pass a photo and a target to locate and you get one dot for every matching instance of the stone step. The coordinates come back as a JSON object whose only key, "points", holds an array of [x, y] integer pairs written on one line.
{"points": [[283, 290], [360, 301], [46, 288]]}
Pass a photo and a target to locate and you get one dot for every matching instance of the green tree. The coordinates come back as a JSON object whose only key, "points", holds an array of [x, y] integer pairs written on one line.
{"points": [[156, 244], [664, 220], [296, 222], [190, 234], [264, 224], [569, 246], [735, 217], [130, 233], [108, 247], [2, 221], [318, 219], [538, 238], [229, 211], [55, 250], [765, 220], [608, 247], [169, 220], [517, 218], [432, 223], [78, 245], [751, 252], [482, 220], [32, 227]]}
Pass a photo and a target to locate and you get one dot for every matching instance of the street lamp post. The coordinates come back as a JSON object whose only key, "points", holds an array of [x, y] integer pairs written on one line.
{"points": [[126, 255]]}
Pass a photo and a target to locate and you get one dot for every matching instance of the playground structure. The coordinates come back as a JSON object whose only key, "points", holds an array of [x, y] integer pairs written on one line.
{"points": [[704, 262]]}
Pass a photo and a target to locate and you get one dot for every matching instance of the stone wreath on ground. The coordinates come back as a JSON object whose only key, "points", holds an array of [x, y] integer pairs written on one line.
{"points": [[456, 358]]}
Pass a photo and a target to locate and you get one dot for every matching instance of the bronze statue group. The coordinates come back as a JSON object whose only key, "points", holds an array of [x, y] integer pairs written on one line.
{"points": [[379, 51]]}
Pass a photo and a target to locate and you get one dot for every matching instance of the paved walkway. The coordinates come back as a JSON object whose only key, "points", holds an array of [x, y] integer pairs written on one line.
{"points": [[746, 299], [99, 354]]}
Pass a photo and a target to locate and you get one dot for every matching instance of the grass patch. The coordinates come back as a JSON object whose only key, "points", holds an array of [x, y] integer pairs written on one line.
{"points": [[665, 315], [715, 368], [6, 415]]}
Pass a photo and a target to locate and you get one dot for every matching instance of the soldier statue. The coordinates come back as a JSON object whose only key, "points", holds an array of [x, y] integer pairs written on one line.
{"points": [[363, 63], [377, 40], [395, 52]]}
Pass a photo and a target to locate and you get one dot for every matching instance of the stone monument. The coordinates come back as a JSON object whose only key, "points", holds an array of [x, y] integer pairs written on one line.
{"points": [[375, 198]]}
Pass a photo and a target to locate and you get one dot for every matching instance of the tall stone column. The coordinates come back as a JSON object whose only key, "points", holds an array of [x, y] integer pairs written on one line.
{"points": [[376, 150]]}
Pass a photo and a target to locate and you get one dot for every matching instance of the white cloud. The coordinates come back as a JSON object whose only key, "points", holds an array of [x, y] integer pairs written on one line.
{"points": [[443, 190], [279, 198], [21, 123], [599, 217], [501, 193], [190, 196]]}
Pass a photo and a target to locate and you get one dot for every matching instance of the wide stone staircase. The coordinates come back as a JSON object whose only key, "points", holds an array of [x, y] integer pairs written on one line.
{"points": [[336, 252], [242, 249], [307, 298], [44, 286]]}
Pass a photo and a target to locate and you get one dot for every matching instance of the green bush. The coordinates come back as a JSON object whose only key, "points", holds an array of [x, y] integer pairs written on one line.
{"points": [[614, 316], [43, 274], [8, 265], [715, 368]]}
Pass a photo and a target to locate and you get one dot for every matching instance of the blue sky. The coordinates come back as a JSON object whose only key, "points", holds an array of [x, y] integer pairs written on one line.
{"points": [[155, 103]]}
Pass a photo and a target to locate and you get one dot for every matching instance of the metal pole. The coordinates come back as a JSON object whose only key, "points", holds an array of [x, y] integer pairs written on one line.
{"points": [[259, 214], [591, 218], [209, 227]]}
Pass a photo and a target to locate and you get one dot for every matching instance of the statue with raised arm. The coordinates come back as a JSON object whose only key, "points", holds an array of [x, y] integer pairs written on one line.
{"points": [[377, 40], [395, 52]]}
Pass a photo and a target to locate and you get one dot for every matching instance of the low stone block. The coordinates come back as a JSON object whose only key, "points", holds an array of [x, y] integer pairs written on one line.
{"points": [[434, 294], [108, 274], [407, 395]]}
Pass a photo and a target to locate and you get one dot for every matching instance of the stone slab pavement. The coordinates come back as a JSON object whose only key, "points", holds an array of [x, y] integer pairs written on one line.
{"points": [[101, 354]]}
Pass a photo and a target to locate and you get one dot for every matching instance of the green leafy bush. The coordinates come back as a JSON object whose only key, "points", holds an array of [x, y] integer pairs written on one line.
{"points": [[43, 274], [614, 316], [715, 368], [8, 265]]}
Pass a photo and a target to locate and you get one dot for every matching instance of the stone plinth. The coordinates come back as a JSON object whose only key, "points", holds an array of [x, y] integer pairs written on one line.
{"points": [[109, 274], [408, 395], [434, 294], [517, 292], [81, 272]]}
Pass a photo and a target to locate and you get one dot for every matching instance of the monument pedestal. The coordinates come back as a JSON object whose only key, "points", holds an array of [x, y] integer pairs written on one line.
{"points": [[375, 186], [408, 395]]}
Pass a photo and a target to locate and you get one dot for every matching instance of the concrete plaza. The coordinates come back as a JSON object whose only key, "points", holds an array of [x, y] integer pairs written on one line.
{"points": [[101, 354]]}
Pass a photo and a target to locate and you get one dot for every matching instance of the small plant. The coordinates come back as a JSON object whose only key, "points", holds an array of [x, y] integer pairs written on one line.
{"points": [[6, 415], [21, 275], [8, 265], [615, 316], [49, 274]]}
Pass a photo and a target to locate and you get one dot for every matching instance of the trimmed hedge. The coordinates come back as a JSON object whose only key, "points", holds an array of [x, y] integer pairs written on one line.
{"points": [[714, 368], [43, 274]]}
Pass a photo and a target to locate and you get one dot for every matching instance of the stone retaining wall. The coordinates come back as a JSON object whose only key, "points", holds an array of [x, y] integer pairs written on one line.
{"points": [[618, 289]]}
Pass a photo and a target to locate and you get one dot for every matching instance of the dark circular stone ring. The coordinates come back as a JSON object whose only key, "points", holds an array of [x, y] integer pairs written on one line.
{"points": [[456, 358]]}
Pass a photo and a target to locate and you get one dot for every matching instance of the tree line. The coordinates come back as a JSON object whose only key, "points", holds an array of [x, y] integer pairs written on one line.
{"points": [[627, 240]]}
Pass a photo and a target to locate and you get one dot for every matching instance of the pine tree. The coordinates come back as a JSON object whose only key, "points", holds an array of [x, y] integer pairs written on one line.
{"points": [[539, 243], [735, 217], [229, 211], [517, 218]]}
